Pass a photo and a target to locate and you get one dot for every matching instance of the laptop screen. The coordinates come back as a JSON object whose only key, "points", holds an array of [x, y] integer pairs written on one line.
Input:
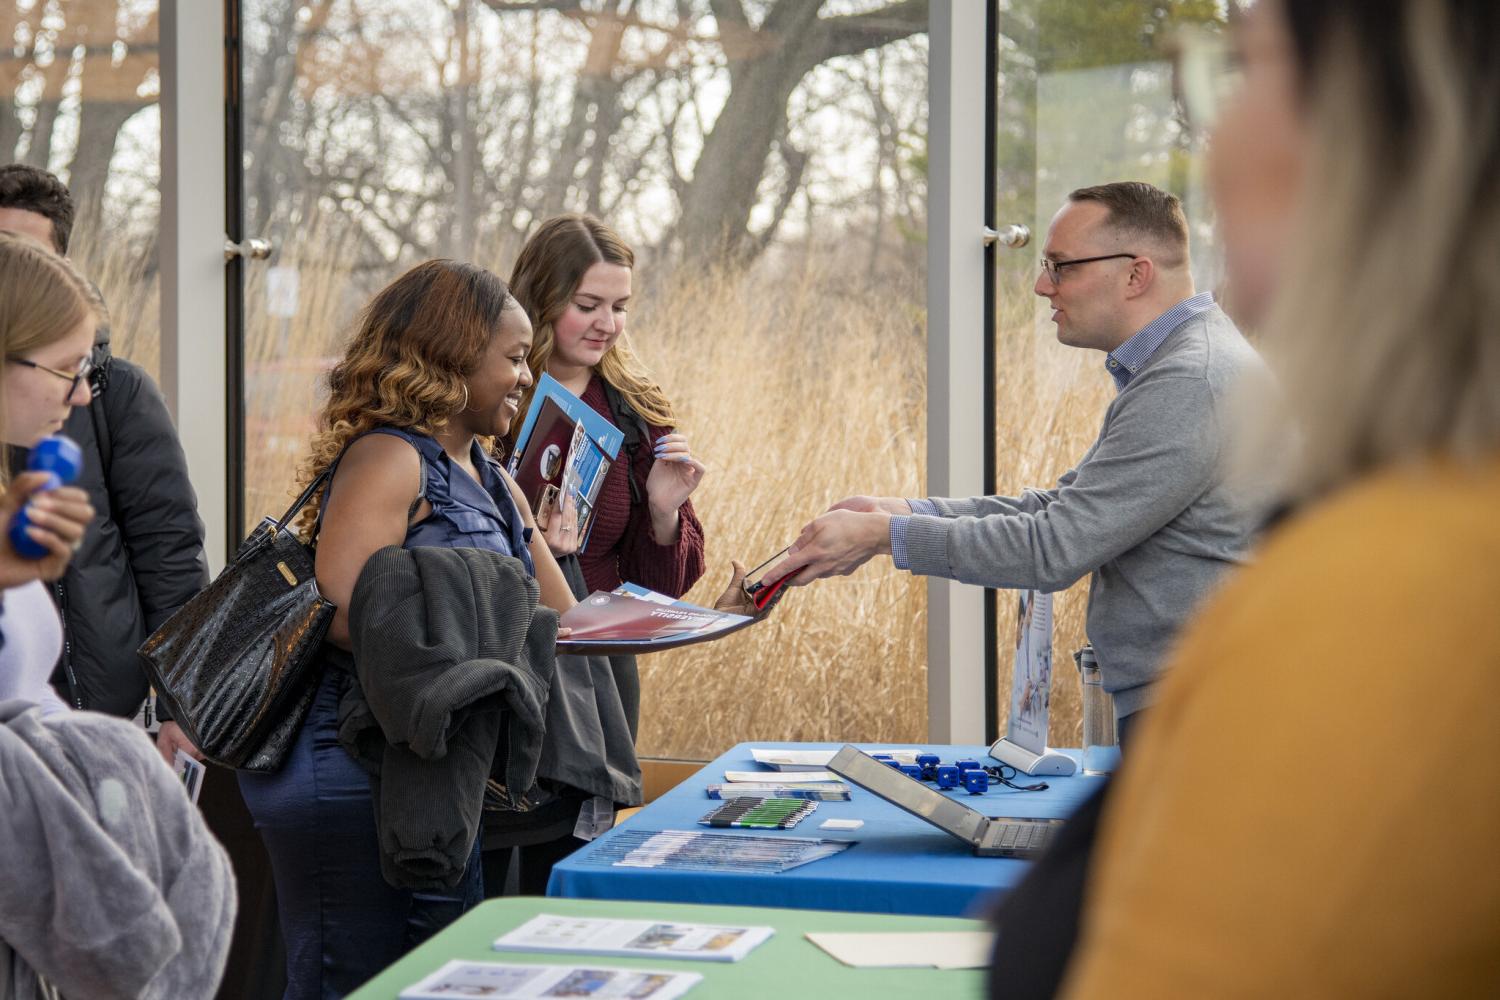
{"points": [[909, 793]]}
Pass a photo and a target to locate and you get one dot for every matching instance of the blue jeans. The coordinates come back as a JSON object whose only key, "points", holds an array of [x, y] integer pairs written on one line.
{"points": [[341, 921]]}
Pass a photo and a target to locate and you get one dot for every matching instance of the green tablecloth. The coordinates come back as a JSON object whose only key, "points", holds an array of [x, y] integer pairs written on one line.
{"points": [[788, 965]]}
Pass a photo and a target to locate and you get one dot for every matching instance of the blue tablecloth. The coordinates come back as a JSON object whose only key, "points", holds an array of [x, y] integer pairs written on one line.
{"points": [[900, 864]]}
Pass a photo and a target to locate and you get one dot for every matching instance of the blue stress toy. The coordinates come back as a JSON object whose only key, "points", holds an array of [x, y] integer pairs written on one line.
{"points": [[948, 776], [977, 782], [62, 459]]}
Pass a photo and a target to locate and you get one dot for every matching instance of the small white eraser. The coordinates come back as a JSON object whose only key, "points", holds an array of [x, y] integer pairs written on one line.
{"points": [[841, 824]]}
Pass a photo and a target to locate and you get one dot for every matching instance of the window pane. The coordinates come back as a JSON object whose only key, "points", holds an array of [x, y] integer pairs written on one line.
{"points": [[1085, 97], [769, 172], [82, 85]]}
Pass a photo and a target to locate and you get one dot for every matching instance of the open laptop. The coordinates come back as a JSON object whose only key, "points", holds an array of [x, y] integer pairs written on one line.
{"points": [[991, 837]]}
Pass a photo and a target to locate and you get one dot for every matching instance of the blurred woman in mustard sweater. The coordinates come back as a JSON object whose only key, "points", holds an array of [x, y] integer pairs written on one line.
{"points": [[1313, 806]]}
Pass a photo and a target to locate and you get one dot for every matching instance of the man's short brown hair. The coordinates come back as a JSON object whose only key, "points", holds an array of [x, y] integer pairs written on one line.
{"points": [[1140, 211], [33, 189]]}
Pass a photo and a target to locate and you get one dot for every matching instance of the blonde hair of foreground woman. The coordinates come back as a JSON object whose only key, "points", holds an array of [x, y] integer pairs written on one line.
{"points": [[43, 298], [1386, 328]]}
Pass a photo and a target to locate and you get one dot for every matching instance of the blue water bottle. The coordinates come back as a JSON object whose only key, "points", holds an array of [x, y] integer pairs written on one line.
{"points": [[62, 459]]}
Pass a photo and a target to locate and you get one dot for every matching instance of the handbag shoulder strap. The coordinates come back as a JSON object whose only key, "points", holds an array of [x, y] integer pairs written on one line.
{"points": [[307, 494]]}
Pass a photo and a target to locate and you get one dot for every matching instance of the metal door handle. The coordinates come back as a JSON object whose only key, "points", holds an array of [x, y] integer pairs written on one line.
{"points": [[254, 247], [1014, 236]]}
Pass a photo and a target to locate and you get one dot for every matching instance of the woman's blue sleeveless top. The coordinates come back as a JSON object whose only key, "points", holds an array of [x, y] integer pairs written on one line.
{"points": [[465, 514]]}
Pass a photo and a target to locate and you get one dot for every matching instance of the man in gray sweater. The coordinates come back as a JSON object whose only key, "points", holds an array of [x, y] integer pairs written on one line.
{"points": [[1147, 511]]}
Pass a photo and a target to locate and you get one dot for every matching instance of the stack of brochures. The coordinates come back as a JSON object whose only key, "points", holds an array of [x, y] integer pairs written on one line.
{"points": [[798, 773], [555, 934], [633, 938], [823, 791], [502, 981], [802, 779], [815, 760], [564, 451], [703, 851]]}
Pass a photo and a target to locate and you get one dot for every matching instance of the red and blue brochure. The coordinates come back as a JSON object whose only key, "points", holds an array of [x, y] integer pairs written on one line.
{"points": [[632, 619], [565, 448]]}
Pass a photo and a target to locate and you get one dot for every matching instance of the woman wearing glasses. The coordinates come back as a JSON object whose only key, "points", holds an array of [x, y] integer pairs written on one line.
{"points": [[1310, 809], [99, 840], [46, 332]]}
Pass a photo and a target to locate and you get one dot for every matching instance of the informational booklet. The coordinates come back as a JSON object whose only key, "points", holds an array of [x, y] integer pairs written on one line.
{"points": [[632, 619], [191, 773], [709, 851], [502, 981], [825, 791], [815, 760], [633, 938], [793, 760], [565, 449], [804, 778], [607, 435]]}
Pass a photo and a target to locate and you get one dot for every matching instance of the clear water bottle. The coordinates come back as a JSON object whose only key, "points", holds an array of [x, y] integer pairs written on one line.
{"points": [[1101, 753]]}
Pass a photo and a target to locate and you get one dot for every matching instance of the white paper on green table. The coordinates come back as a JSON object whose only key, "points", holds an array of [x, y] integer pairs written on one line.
{"points": [[911, 950]]}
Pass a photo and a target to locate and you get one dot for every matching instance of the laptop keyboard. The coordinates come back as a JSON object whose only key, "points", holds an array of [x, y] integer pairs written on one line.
{"points": [[1025, 836]]}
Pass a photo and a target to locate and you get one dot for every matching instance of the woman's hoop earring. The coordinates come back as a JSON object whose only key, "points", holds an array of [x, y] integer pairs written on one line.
{"points": [[466, 397]]}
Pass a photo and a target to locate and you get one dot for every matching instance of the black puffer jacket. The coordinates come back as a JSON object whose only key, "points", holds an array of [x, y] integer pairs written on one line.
{"points": [[142, 557]]}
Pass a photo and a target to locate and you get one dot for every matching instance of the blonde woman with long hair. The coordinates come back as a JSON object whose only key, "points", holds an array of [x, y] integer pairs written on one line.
{"points": [[1310, 808], [574, 278], [46, 335]]}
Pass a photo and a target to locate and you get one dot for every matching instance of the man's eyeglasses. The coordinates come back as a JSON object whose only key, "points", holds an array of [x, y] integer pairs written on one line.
{"points": [[1053, 269], [74, 379]]}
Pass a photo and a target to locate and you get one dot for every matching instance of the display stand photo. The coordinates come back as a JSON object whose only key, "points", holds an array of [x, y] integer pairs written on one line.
{"points": [[1024, 745]]}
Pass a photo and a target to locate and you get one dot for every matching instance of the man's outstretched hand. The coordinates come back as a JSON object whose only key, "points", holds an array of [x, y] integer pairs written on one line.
{"points": [[835, 544], [874, 505]]}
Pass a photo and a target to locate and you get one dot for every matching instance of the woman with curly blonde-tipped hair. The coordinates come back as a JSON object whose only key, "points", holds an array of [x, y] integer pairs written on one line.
{"points": [[432, 378]]}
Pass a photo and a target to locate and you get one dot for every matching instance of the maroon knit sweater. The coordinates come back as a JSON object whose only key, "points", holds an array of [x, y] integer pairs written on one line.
{"points": [[620, 546]]}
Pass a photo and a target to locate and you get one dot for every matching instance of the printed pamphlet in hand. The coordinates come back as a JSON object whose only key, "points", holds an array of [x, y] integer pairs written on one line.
{"points": [[565, 448], [499, 981], [633, 938], [632, 619]]}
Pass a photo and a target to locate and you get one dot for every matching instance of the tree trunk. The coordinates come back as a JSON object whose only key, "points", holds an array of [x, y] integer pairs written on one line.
{"points": [[596, 89], [108, 89], [39, 149], [99, 126], [765, 67], [12, 65]]}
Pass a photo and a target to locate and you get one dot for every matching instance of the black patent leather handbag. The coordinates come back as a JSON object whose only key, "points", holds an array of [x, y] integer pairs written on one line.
{"points": [[237, 666]]}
